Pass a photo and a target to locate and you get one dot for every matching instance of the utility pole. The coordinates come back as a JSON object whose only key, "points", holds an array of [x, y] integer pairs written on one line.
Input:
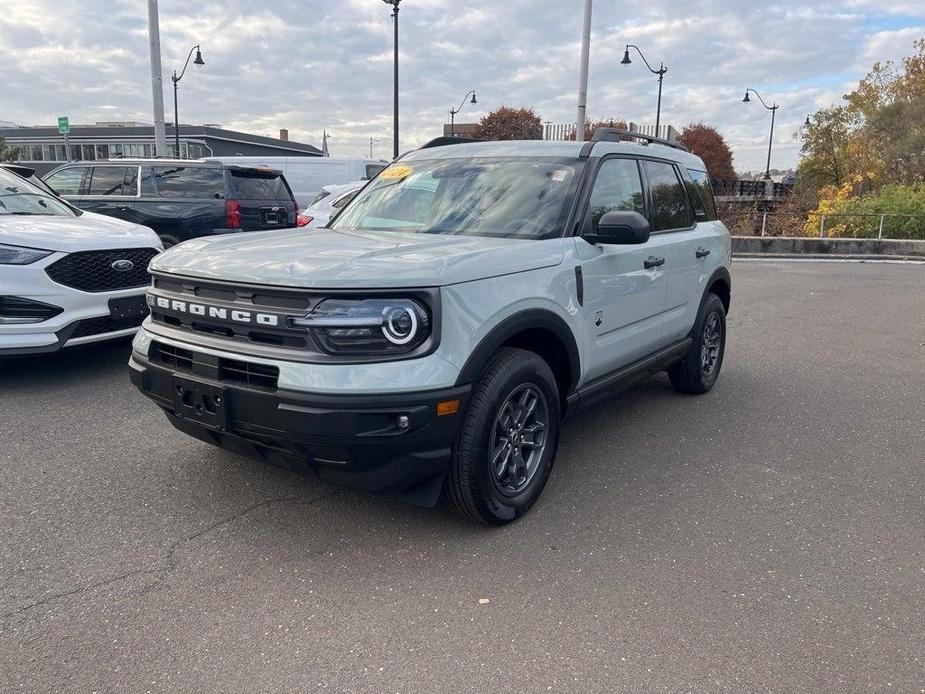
{"points": [[583, 73], [157, 88], [394, 4]]}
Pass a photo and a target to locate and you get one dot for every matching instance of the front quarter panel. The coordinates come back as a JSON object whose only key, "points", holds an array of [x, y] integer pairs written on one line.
{"points": [[472, 310]]}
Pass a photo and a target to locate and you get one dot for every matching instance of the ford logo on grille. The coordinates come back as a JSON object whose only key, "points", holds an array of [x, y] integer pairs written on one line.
{"points": [[122, 265]]}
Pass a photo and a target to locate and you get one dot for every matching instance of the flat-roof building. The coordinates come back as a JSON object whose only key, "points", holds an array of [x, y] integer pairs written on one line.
{"points": [[42, 147]]}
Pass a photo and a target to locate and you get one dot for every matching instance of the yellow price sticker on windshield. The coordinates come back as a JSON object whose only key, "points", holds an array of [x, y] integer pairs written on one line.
{"points": [[398, 171]]}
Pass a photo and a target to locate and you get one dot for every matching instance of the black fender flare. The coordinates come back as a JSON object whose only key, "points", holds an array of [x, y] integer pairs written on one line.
{"points": [[534, 318], [720, 273]]}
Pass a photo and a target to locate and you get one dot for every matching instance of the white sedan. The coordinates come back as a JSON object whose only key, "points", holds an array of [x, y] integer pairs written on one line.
{"points": [[328, 203], [67, 277]]}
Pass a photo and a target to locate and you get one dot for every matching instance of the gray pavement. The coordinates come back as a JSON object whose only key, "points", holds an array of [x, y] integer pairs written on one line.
{"points": [[766, 537]]}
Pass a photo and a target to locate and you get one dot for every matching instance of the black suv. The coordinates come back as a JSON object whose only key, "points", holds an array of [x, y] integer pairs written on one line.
{"points": [[179, 199]]}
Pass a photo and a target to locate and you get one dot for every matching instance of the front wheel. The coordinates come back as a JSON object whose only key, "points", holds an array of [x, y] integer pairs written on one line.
{"points": [[508, 440], [698, 370]]}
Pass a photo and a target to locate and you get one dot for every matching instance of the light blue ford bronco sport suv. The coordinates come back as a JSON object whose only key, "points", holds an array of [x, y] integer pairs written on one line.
{"points": [[430, 342]]}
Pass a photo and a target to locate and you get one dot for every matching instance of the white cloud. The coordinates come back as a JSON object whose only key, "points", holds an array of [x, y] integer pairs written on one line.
{"points": [[311, 65]]}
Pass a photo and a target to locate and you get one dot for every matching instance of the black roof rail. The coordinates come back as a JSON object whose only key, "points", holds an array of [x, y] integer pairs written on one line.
{"points": [[447, 140], [618, 135]]}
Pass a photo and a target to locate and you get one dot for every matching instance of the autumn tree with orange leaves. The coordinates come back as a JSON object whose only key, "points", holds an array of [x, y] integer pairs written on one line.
{"points": [[706, 142]]}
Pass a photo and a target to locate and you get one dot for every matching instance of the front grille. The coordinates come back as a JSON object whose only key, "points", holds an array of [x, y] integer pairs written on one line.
{"points": [[105, 324], [267, 298], [176, 357], [93, 271], [217, 368], [207, 296], [259, 375]]}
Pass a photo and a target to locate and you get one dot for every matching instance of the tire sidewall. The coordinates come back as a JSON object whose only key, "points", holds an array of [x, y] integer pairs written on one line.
{"points": [[532, 370], [713, 305]]}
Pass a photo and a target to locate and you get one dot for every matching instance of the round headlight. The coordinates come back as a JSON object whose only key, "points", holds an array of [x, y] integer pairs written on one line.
{"points": [[399, 325]]}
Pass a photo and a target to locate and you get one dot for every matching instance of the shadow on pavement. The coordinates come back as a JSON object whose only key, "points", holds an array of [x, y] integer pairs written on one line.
{"points": [[68, 366]]}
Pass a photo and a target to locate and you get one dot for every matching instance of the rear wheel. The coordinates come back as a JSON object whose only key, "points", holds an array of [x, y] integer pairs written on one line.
{"points": [[508, 440], [698, 370]]}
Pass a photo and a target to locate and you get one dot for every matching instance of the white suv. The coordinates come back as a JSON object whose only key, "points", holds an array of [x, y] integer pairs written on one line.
{"points": [[430, 342], [66, 277]]}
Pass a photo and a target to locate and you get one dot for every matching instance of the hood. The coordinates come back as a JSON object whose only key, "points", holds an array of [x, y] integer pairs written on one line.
{"points": [[333, 259], [88, 232]]}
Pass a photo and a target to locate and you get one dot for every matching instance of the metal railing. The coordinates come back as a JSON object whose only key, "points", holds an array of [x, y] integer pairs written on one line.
{"points": [[751, 189], [873, 225]]}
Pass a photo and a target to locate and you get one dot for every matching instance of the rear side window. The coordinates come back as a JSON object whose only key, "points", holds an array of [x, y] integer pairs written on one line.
{"points": [[108, 180], [318, 198], [702, 192], [372, 170], [670, 209], [66, 181], [343, 200], [258, 186], [189, 182]]}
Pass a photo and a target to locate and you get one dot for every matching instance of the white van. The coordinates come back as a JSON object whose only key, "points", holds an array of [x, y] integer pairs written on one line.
{"points": [[307, 175]]}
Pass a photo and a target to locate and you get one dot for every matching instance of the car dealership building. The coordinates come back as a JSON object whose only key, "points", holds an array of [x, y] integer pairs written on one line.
{"points": [[42, 147]]}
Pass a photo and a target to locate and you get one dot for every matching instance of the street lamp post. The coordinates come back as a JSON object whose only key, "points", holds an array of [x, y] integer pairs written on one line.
{"points": [[453, 112], [394, 4], [661, 75], [176, 80], [773, 110], [371, 141]]}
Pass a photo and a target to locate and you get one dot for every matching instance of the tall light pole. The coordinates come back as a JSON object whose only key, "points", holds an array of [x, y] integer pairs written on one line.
{"points": [[583, 72], [157, 84], [371, 140], [773, 110], [394, 4], [453, 112], [176, 81], [661, 75]]}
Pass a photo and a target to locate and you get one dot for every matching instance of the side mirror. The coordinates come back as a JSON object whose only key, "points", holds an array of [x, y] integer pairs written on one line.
{"points": [[619, 227]]}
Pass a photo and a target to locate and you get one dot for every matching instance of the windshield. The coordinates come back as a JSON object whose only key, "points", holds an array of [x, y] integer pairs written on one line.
{"points": [[19, 197], [508, 198]]}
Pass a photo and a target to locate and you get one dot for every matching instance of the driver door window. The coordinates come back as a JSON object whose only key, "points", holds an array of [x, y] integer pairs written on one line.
{"points": [[618, 187]]}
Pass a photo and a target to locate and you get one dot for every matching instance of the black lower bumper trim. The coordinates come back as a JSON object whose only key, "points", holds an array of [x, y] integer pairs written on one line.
{"points": [[394, 443]]}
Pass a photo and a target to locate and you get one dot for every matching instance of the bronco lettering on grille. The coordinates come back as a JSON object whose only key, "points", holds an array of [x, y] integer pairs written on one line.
{"points": [[235, 315]]}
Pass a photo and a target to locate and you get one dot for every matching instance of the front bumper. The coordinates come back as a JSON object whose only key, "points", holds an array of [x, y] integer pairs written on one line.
{"points": [[349, 440]]}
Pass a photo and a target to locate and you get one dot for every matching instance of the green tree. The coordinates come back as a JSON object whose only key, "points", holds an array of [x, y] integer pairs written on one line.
{"points": [[827, 152], [509, 123], [8, 153]]}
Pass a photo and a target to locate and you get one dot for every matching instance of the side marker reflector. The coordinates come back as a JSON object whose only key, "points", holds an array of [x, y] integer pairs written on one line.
{"points": [[447, 407]]}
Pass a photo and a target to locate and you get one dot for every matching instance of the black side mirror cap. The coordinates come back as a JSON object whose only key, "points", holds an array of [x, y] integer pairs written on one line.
{"points": [[621, 227]]}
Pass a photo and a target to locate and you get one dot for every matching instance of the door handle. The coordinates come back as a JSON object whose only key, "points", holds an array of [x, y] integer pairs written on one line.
{"points": [[122, 208], [652, 261], [702, 252]]}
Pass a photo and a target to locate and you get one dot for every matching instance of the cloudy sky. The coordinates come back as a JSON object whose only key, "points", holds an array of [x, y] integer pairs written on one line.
{"points": [[314, 64]]}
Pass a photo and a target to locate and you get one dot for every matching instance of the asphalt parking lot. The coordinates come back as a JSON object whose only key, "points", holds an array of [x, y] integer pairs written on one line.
{"points": [[766, 537]]}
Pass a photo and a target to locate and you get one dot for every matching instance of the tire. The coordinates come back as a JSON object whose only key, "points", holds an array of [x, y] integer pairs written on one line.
{"points": [[697, 371], [169, 240], [474, 488]]}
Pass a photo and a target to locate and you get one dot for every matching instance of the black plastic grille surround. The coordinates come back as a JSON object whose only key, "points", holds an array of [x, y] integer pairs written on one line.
{"points": [[220, 368], [275, 336], [93, 271], [21, 308]]}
